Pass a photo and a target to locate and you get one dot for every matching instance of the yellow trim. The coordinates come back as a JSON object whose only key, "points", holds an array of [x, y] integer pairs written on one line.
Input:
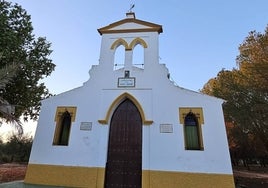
{"points": [[71, 176], [119, 42], [103, 121], [117, 101], [154, 29], [61, 109], [148, 122], [130, 47], [196, 110], [201, 137], [137, 41], [160, 179]]}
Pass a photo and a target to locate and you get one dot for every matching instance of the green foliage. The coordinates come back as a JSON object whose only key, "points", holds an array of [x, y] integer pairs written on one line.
{"points": [[6, 75], [246, 93], [253, 60], [19, 48], [16, 149]]}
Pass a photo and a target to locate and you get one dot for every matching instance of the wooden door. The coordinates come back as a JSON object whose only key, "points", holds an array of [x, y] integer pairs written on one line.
{"points": [[124, 160]]}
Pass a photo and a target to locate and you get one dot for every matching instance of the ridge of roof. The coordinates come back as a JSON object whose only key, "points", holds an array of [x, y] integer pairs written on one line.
{"points": [[153, 27]]}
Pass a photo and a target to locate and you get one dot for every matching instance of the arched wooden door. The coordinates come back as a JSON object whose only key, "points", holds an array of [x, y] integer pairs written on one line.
{"points": [[124, 160]]}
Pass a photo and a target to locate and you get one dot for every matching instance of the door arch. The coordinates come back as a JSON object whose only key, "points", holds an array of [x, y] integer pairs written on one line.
{"points": [[124, 158]]}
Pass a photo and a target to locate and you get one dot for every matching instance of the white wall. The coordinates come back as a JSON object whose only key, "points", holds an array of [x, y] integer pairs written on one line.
{"points": [[160, 101]]}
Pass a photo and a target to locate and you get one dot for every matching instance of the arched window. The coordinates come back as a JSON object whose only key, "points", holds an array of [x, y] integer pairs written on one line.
{"points": [[138, 56], [119, 57], [63, 129], [192, 132]]}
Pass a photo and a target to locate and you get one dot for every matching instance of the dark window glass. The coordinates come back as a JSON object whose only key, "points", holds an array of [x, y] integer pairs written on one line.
{"points": [[191, 132], [65, 129]]}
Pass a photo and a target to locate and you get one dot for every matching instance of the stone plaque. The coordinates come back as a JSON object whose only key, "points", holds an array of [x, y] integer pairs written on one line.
{"points": [[166, 128], [126, 82], [86, 126]]}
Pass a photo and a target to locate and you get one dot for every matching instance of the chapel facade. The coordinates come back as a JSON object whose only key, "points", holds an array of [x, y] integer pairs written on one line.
{"points": [[129, 125]]}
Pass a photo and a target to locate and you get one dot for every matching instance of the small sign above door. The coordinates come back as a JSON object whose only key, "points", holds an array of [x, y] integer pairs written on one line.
{"points": [[126, 82]]}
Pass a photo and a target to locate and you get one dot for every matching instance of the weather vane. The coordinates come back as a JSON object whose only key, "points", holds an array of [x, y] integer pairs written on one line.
{"points": [[132, 5]]}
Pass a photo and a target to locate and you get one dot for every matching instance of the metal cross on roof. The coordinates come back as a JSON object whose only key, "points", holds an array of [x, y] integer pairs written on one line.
{"points": [[131, 7]]}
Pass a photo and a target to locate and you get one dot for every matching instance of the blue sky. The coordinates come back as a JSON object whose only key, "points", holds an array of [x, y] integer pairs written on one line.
{"points": [[199, 39]]}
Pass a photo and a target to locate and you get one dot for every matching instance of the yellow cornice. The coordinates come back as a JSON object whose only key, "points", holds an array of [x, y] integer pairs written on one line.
{"points": [[130, 30], [150, 27]]}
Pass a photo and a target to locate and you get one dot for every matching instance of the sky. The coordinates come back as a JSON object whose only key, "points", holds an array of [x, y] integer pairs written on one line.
{"points": [[200, 37]]}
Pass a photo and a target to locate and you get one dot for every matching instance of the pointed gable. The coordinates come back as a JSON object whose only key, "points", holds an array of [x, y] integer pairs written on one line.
{"points": [[130, 25]]}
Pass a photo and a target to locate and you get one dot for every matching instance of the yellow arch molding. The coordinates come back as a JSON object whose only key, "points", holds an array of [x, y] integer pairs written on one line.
{"points": [[117, 101], [137, 41], [119, 42]]}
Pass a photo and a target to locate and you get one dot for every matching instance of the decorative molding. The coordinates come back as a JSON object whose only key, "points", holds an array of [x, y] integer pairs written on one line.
{"points": [[198, 112], [61, 109], [119, 42], [129, 47], [136, 41], [151, 27], [117, 101]]}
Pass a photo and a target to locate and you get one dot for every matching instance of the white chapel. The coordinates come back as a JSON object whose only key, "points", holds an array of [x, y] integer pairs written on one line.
{"points": [[129, 125]]}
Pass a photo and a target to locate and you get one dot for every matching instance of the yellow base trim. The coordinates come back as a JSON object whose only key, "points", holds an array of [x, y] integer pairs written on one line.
{"points": [[160, 179], [70, 176]]}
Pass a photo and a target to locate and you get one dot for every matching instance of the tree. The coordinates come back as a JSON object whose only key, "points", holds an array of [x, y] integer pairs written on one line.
{"points": [[30, 55], [253, 65], [253, 60], [246, 93], [6, 75], [16, 149]]}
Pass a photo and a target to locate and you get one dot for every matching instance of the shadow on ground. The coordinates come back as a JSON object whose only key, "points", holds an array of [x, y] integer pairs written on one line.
{"points": [[20, 184]]}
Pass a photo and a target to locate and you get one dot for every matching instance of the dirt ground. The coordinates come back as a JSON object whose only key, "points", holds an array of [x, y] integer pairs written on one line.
{"points": [[255, 178], [12, 172]]}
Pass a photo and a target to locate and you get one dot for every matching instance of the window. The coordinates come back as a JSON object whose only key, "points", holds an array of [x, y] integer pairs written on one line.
{"points": [[192, 132], [192, 118], [64, 118], [119, 58], [138, 56]]}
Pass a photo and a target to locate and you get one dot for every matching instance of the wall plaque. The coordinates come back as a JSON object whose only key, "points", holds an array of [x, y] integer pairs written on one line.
{"points": [[86, 126], [166, 128], [126, 82]]}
